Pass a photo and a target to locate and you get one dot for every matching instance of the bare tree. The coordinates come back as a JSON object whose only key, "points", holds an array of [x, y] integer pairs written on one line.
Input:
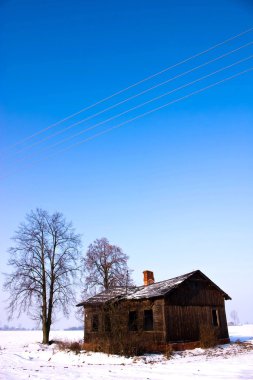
{"points": [[45, 261], [105, 266], [234, 316]]}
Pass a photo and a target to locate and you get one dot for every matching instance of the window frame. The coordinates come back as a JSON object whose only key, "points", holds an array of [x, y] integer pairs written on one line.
{"points": [[215, 317], [95, 322], [107, 323], [133, 322], [148, 320]]}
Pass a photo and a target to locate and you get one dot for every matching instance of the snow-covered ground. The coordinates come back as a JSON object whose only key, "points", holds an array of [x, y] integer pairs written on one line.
{"points": [[23, 357]]}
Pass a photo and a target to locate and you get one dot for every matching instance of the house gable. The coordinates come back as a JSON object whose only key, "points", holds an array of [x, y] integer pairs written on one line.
{"points": [[198, 290]]}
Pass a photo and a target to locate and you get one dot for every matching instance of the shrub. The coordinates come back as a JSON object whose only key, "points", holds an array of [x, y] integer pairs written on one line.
{"points": [[208, 336], [168, 352], [69, 346], [120, 345]]}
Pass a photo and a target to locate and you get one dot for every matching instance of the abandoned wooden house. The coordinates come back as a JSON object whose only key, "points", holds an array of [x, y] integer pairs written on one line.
{"points": [[158, 314]]}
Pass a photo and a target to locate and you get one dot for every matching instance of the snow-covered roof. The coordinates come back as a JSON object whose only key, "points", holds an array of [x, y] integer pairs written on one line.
{"points": [[156, 290], [106, 295]]}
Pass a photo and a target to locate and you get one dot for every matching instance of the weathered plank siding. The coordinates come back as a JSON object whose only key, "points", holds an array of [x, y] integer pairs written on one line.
{"points": [[196, 293], [184, 322]]}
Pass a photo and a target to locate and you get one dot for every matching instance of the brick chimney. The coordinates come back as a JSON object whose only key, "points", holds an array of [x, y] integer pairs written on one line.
{"points": [[148, 277]]}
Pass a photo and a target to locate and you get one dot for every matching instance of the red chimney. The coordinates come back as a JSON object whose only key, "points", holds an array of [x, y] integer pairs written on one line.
{"points": [[148, 277]]}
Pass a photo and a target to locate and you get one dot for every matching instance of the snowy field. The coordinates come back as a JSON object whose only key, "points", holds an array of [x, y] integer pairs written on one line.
{"points": [[23, 357]]}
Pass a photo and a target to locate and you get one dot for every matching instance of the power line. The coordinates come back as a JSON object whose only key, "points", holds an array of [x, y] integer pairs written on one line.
{"points": [[131, 97], [144, 114], [146, 102], [156, 109], [132, 86]]}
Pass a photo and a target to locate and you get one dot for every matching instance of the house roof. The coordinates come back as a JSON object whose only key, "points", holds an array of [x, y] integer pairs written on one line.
{"points": [[156, 290]]}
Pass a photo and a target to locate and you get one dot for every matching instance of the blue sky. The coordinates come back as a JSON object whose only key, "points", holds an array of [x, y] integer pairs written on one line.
{"points": [[174, 189]]}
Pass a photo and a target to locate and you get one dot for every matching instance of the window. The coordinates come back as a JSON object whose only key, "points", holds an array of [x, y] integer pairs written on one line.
{"points": [[94, 323], [148, 320], [132, 321], [215, 317], [107, 323]]}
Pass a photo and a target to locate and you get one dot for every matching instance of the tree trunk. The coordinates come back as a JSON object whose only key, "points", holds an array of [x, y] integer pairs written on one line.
{"points": [[46, 331], [106, 279]]}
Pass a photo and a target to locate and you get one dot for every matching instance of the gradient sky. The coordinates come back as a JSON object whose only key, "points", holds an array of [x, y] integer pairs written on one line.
{"points": [[174, 189]]}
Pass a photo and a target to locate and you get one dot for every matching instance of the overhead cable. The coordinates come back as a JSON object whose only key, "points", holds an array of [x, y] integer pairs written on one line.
{"points": [[141, 116], [130, 98], [132, 86], [145, 103]]}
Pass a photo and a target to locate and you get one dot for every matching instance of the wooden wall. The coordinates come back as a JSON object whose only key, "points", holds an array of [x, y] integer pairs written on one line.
{"points": [[184, 322], [120, 316]]}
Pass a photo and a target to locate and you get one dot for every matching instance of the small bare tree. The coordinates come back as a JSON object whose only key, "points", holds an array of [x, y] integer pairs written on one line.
{"points": [[234, 316], [45, 261], [105, 266]]}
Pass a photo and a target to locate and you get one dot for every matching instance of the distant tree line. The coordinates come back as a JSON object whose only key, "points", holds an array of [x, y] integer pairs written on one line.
{"points": [[12, 328]]}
